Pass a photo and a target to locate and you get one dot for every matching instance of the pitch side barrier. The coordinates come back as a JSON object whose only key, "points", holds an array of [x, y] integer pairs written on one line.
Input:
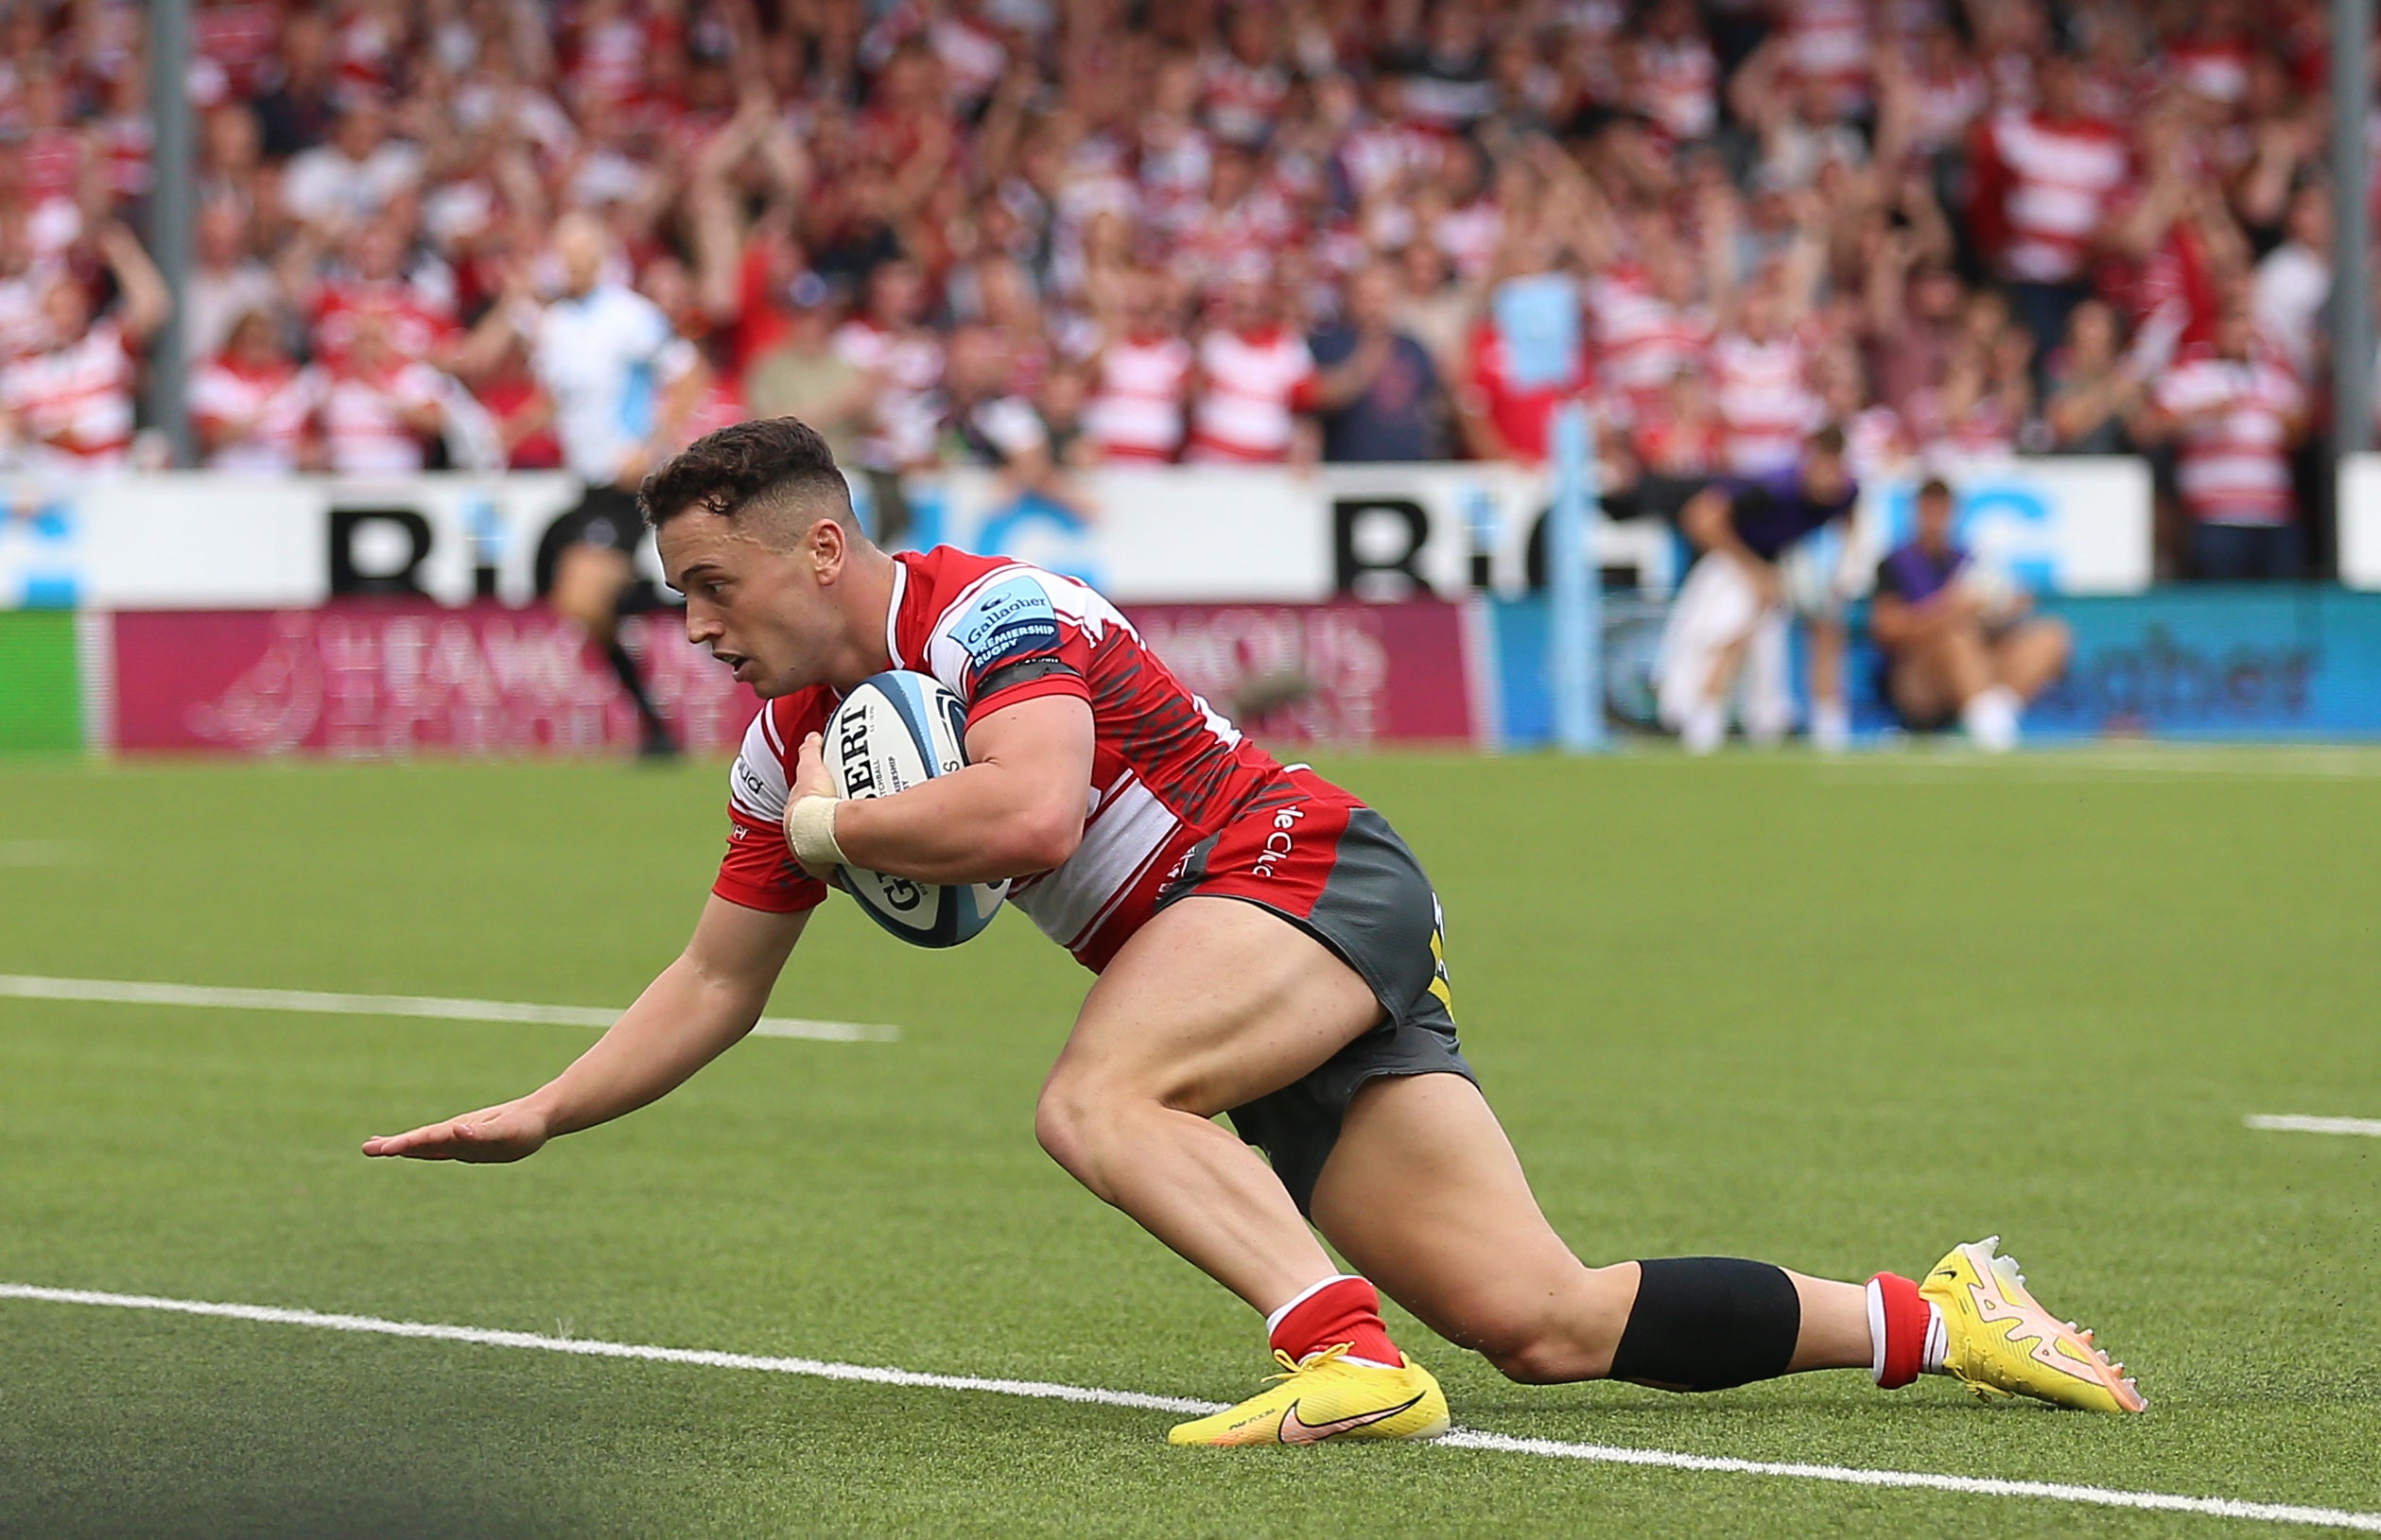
{"points": [[1348, 605]]}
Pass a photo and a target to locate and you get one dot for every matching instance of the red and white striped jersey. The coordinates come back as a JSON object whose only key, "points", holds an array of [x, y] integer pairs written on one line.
{"points": [[1240, 101], [363, 432], [1642, 340], [2236, 464], [237, 38], [50, 165], [1764, 399], [1167, 770], [1252, 386], [1678, 87], [1136, 414], [2063, 178], [417, 318], [267, 411], [1830, 41], [76, 398]]}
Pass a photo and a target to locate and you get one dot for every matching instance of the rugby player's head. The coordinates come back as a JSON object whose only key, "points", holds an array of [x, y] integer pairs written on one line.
{"points": [[756, 528]]}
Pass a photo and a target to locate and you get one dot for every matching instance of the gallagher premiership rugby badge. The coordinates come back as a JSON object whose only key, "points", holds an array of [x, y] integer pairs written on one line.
{"points": [[1008, 621]]}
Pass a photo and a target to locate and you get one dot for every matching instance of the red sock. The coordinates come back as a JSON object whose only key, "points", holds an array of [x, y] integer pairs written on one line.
{"points": [[1899, 1321], [1342, 1310]]}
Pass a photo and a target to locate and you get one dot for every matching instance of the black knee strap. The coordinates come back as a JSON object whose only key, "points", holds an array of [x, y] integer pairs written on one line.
{"points": [[1707, 1322]]}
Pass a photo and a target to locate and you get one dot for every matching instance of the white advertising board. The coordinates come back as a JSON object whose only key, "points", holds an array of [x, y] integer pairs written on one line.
{"points": [[197, 540], [2360, 521]]}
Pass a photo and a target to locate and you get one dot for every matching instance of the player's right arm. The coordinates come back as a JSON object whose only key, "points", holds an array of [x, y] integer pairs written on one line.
{"points": [[695, 1011]]}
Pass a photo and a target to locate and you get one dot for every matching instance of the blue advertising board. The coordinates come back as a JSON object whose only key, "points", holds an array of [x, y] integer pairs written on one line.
{"points": [[2217, 663]]}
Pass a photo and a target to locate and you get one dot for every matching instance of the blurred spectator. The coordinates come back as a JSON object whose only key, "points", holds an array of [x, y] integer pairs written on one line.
{"points": [[2047, 177], [381, 409], [1138, 411], [251, 407], [226, 281], [1377, 389], [340, 183], [802, 374], [521, 410], [70, 397], [296, 113], [2293, 281], [2234, 413], [1255, 375], [1956, 640], [2095, 397]]}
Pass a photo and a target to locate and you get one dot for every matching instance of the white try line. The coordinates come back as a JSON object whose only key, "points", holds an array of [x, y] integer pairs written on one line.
{"points": [[2267, 1512], [2295, 1123], [134, 992]]}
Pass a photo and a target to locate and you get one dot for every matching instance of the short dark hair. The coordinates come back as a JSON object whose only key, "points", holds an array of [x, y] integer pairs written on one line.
{"points": [[1827, 441], [1934, 486], [768, 460]]}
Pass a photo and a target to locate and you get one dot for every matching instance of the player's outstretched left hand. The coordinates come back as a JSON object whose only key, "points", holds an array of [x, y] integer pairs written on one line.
{"points": [[510, 1132]]}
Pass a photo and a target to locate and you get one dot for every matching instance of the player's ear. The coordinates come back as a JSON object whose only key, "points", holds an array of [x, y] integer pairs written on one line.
{"points": [[826, 549]]}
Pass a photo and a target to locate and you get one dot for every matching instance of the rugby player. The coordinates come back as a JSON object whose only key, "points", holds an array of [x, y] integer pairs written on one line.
{"points": [[1265, 946], [1731, 616], [1952, 649]]}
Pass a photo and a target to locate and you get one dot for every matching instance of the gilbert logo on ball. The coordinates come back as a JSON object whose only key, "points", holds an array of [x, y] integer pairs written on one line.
{"points": [[893, 731]]}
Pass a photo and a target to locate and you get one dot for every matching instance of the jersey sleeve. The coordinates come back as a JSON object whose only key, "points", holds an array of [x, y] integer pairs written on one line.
{"points": [[1024, 634], [758, 870]]}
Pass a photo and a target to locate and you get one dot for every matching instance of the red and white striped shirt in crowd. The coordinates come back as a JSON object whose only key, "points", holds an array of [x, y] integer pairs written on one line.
{"points": [[417, 321], [1251, 386], [1135, 410], [259, 418], [237, 38], [1241, 101], [1764, 399], [2235, 463], [364, 427], [1829, 41], [1678, 87], [1642, 340], [2215, 67], [50, 164], [75, 398], [2063, 179]]}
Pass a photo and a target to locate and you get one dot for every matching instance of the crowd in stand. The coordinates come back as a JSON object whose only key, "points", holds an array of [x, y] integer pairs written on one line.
{"points": [[1041, 235]]}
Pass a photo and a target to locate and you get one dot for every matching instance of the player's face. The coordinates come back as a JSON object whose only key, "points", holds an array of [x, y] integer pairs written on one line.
{"points": [[767, 613]]}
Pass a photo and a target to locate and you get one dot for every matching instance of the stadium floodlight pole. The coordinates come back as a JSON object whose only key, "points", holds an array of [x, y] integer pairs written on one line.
{"points": [[170, 216], [2352, 277], [1574, 591]]}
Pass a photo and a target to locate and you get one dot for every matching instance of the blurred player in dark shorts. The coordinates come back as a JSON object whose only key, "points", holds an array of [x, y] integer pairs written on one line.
{"points": [[622, 381], [1957, 642]]}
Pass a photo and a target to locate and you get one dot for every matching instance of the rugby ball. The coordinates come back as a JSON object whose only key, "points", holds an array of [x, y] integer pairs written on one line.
{"points": [[893, 731]]}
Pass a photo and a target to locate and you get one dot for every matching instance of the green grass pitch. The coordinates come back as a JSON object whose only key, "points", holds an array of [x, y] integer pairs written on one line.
{"points": [[1839, 1015]]}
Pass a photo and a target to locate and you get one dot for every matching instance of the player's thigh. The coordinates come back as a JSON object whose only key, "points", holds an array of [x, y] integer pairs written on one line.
{"points": [[1424, 1196], [588, 580], [1214, 1003]]}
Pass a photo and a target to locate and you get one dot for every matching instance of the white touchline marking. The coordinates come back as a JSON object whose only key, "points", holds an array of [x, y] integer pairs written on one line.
{"points": [[2267, 1513], [2296, 1123], [44, 853], [132, 991]]}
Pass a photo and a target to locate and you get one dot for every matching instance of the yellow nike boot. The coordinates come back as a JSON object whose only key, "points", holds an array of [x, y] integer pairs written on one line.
{"points": [[2001, 1342], [1326, 1397]]}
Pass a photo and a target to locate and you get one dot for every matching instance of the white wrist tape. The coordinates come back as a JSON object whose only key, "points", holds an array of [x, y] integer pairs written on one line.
{"points": [[811, 830]]}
